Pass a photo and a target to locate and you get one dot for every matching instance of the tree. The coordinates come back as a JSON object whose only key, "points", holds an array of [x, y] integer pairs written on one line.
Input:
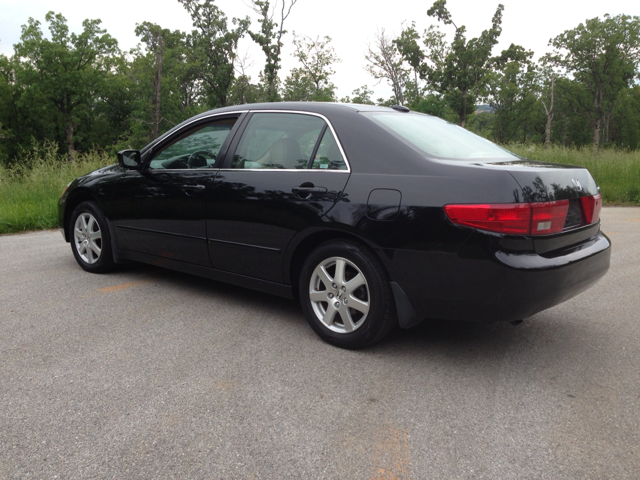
{"points": [[215, 47], [361, 95], [463, 75], [311, 81], [67, 70], [603, 57], [164, 78], [511, 92], [409, 49], [385, 62], [549, 80], [270, 40]]}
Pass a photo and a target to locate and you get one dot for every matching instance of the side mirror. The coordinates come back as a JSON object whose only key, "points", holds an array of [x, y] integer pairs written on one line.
{"points": [[130, 159]]}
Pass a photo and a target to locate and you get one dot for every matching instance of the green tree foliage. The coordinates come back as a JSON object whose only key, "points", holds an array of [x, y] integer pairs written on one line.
{"points": [[512, 93], [215, 47], [602, 56], [361, 95], [68, 71], [163, 81], [466, 66], [311, 80]]}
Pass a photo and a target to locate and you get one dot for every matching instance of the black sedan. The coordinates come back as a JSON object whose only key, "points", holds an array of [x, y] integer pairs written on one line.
{"points": [[370, 216]]}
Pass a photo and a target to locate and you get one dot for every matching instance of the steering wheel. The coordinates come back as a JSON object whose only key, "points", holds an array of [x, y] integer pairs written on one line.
{"points": [[197, 159]]}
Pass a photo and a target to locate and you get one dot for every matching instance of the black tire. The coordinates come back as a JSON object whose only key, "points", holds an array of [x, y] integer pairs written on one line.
{"points": [[91, 241], [343, 324]]}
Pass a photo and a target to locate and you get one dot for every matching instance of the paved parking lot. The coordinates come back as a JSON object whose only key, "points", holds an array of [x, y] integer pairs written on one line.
{"points": [[147, 373]]}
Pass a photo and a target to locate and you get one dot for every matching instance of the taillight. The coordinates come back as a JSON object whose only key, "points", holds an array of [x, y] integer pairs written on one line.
{"points": [[591, 207], [548, 217], [512, 218]]}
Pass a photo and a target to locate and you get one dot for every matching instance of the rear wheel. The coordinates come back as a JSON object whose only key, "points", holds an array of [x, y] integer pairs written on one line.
{"points": [[346, 296], [90, 238]]}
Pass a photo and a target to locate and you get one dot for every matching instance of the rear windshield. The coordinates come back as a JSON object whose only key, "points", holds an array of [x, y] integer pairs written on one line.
{"points": [[439, 138]]}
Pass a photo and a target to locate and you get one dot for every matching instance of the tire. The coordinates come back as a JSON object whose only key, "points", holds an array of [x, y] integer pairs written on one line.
{"points": [[90, 238], [345, 295]]}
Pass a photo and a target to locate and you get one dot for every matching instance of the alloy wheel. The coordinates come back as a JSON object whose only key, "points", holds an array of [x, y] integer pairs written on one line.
{"points": [[87, 238], [339, 295]]}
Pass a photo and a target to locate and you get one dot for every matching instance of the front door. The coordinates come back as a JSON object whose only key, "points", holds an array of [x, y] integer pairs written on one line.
{"points": [[162, 209]]}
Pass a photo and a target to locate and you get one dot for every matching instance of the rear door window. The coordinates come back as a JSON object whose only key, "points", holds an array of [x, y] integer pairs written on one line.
{"points": [[278, 141]]}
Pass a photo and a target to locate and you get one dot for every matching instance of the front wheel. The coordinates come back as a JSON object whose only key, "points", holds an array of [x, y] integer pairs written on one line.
{"points": [[90, 239], [346, 296]]}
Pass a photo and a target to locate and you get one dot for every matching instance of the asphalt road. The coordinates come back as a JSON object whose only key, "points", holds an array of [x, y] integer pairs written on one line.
{"points": [[147, 373]]}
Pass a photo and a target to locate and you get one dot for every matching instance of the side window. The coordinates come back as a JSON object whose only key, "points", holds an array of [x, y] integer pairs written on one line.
{"points": [[278, 140], [328, 154], [197, 148]]}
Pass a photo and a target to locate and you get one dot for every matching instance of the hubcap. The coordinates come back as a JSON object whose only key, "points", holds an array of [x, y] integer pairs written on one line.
{"points": [[339, 295], [87, 238]]}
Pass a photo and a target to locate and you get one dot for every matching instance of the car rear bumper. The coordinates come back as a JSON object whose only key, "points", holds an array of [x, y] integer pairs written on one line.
{"points": [[494, 285]]}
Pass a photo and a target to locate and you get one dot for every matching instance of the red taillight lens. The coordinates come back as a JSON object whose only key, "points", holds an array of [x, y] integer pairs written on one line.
{"points": [[591, 207], [548, 217], [512, 218]]}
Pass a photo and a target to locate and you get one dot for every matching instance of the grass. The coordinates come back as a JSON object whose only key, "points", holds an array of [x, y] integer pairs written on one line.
{"points": [[617, 172], [30, 190]]}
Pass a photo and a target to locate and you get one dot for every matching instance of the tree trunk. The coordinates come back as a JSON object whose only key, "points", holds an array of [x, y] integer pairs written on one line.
{"points": [[596, 136], [549, 112], [463, 117], [69, 137], [158, 83]]}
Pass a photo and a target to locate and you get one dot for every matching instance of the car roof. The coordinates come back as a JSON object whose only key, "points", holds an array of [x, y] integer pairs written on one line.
{"points": [[366, 145]]}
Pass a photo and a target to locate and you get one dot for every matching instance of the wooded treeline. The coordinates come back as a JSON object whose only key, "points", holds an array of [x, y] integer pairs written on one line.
{"points": [[81, 91]]}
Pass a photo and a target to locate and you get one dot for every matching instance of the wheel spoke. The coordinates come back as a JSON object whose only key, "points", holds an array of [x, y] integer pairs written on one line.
{"points": [[358, 304], [95, 248], [97, 235], [339, 276], [324, 276], [329, 315], [92, 222], [316, 296], [349, 325], [84, 223], [77, 233], [354, 283]]}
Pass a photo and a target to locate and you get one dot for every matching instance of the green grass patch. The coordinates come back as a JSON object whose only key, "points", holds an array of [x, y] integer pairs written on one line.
{"points": [[617, 172], [30, 189]]}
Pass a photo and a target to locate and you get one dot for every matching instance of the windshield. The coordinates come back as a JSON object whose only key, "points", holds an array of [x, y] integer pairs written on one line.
{"points": [[439, 138]]}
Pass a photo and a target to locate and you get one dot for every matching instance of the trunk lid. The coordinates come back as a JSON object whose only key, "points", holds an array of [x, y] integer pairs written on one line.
{"points": [[549, 182]]}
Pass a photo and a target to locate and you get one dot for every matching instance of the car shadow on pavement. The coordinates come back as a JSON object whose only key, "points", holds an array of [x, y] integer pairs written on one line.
{"points": [[448, 337]]}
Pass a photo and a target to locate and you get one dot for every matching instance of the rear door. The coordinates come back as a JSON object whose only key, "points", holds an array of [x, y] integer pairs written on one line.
{"points": [[283, 174]]}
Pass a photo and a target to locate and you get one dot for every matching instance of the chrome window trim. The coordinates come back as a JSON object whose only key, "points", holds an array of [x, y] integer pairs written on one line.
{"points": [[298, 112]]}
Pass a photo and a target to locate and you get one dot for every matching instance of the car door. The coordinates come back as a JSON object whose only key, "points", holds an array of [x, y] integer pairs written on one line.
{"points": [[282, 175], [162, 207]]}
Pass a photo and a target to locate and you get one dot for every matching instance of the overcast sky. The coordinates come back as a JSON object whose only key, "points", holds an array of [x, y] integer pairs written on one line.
{"points": [[351, 24]]}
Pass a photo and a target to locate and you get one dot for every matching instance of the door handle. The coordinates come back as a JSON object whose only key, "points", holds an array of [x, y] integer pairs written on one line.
{"points": [[199, 187], [308, 191]]}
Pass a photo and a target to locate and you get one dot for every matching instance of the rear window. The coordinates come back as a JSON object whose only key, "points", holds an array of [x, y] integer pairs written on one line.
{"points": [[439, 138]]}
